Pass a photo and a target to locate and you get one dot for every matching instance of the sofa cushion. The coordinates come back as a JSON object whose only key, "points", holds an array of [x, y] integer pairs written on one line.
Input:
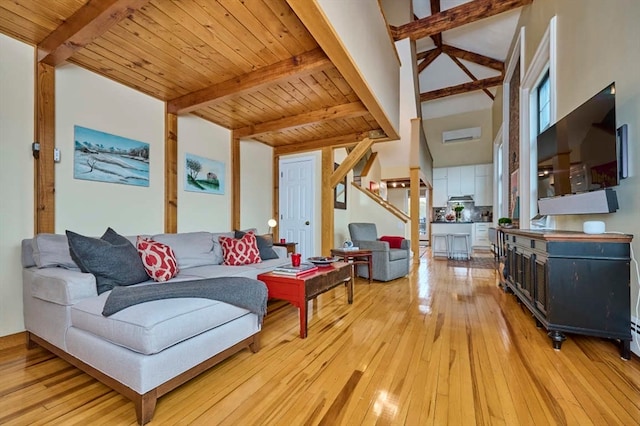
{"points": [[151, 327], [265, 245], [51, 250], [191, 248], [158, 259], [111, 258], [240, 251]]}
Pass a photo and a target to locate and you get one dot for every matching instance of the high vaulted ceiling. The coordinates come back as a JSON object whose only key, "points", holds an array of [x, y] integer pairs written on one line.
{"points": [[249, 66], [462, 46]]}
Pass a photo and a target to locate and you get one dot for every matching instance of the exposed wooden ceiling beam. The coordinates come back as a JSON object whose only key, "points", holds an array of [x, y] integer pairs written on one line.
{"points": [[470, 74], [306, 63], [473, 57], [428, 59], [461, 88], [342, 141], [435, 8], [455, 17], [352, 110], [88, 23]]}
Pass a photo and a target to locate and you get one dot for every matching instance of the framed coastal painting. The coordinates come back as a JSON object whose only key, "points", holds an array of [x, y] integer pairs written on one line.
{"points": [[104, 157], [203, 175]]}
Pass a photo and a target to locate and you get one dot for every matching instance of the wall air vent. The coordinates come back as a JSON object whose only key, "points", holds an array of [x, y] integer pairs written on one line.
{"points": [[461, 135]]}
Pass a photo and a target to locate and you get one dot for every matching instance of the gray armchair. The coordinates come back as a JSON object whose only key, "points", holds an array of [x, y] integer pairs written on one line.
{"points": [[388, 263]]}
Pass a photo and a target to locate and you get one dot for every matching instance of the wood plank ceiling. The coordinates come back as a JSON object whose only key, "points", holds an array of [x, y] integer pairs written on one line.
{"points": [[248, 66]]}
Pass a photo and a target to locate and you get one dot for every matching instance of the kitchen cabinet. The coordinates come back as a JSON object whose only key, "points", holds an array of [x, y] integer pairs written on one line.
{"points": [[572, 282], [481, 235], [484, 191], [460, 180], [440, 196], [439, 173]]}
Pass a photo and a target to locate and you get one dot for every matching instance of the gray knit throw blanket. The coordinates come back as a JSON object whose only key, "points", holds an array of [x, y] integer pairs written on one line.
{"points": [[245, 293]]}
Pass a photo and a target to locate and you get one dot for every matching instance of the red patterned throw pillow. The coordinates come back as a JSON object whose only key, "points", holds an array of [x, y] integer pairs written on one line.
{"points": [[158, 259], [240, 251]]}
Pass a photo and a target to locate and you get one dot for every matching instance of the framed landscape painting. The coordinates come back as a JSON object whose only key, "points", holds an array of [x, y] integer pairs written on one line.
{"points": [[204, 175], [104, 157]]}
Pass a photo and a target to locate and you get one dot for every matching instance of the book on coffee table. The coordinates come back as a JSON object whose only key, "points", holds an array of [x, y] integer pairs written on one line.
{"points": [[290, 270]]}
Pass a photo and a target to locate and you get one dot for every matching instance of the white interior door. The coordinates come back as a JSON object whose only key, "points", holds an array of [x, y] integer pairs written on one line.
{"points": [[296, 203]]}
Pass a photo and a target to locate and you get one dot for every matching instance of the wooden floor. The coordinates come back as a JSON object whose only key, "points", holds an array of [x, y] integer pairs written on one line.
{"points": [[444, 346]]}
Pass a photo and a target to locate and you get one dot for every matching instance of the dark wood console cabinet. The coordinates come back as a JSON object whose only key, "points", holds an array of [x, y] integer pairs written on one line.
{"points": [[572, 282]]}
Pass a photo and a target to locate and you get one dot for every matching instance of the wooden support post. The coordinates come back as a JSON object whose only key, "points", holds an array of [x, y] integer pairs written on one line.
{"points": [[44, 168], [170, 172], [276, 194], [414, 185], [327, 201], [235, 182]]}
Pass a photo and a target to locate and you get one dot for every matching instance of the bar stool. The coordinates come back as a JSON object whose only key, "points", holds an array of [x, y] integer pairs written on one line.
{"points": [[460, 246], [439, 241]]}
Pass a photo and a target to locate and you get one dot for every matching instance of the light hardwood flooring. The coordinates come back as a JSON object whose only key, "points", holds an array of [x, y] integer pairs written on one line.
{"points": [[444, 346]]}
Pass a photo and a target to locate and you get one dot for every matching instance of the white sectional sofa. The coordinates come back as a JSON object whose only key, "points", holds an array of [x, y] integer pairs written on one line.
{"points": [[148, 349]]}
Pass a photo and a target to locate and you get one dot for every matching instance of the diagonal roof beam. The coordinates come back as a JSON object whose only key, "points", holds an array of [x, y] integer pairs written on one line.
{"points": [[306, 63], [435, 8], [455, 17], [474, 57], [85, 25], [461, 88], [429, 57], [470, 74], [352, 110]]}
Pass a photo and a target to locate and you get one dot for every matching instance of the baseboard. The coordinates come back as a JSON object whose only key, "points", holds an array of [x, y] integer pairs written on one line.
{"points": [[12, 340], [635, 335]]}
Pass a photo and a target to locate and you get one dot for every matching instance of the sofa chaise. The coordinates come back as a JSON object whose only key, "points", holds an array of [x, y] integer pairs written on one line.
{"points": [[148, 349]]}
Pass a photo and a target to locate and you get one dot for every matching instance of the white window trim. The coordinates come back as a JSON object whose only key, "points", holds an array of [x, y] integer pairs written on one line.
{"points": [[543, 59], [518, 53], [498, 183]]}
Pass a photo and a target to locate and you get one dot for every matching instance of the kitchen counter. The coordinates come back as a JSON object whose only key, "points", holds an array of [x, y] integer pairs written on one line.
{"points": [[451, 223]]}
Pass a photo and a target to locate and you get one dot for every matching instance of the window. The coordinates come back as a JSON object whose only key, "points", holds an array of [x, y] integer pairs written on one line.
{"points": [[543, 93]]}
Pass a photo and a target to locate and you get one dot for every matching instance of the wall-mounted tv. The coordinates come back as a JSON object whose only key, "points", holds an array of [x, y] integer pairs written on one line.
{"points": [[579, 153]]}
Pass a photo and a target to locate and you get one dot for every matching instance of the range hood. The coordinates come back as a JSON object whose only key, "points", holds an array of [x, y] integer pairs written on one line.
{"points": [[461, 198]]}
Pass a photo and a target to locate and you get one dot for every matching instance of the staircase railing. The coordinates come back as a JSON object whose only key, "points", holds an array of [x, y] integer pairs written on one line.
{"points": [[383, 203]]}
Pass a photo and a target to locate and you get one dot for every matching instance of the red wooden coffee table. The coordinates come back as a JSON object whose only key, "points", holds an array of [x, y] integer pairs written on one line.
{"points": [[299, 290]]}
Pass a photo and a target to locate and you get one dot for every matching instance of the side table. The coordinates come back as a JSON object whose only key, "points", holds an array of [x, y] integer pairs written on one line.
{"points": [[291, 247], [355, 257]]}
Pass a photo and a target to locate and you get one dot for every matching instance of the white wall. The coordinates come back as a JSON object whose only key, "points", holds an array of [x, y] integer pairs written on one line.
{"points": [[256, 168], [88, 207], [360, 25], [198, 212], [460, 153], [16, 174]]}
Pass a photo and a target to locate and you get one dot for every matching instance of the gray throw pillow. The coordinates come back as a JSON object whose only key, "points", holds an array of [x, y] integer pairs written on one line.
{"points": [[112, 259], [265, 245]]}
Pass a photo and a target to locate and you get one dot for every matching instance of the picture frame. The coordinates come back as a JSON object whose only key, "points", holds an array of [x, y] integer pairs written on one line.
{"points": [[204, 175], [105, 157], [340, 192]]}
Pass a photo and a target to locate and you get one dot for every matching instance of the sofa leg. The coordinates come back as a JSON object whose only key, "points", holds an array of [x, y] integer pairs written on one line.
{"points": [[29, 343], [254, 346], [145, 406]]}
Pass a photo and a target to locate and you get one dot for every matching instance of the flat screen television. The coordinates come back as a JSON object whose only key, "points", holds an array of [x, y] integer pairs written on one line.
{"points": [[579, 153]]}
